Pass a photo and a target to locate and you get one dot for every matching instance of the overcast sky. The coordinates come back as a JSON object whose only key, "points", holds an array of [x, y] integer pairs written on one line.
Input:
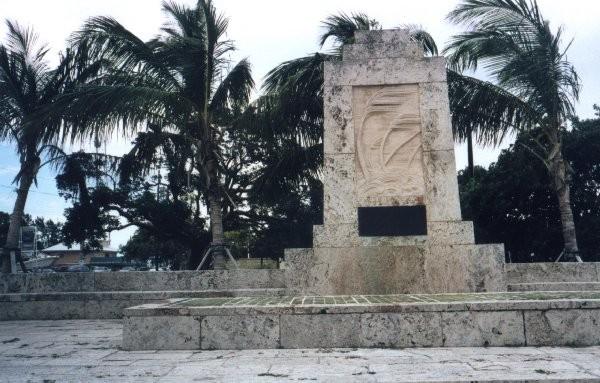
{"points": [[269, 32]]}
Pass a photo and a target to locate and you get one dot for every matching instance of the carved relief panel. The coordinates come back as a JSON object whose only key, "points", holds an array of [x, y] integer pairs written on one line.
{"points": [[389, 159]]}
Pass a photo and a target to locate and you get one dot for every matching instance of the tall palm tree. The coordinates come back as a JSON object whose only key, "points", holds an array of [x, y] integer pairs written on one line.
{"points": [[27, 87], [514, 42], [178, 81]]}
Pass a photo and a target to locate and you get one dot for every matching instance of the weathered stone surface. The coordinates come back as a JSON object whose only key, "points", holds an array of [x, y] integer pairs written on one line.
{"points": [[239, 332], [339, 196], [435, 116], [346, 235], [408, 71], [54, 282], [368, 270], [141, 281], [450, 232], [480, 328], [50, 352], [298, 263], [399, 330], [41, 310], [161, 333], [376, 71], [575, 328], [441, 186], [339, 135], [403, 48], [552, 272], [314, 331], [382, 36], [463, 268], [555, 286]]}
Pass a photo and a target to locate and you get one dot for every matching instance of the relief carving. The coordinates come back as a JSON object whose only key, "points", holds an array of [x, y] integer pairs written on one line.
{"points": [[389, 160]]}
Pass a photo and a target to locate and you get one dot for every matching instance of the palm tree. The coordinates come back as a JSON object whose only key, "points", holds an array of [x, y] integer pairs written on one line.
{"points": [[514, 42], [178, 81], [27, 87]]}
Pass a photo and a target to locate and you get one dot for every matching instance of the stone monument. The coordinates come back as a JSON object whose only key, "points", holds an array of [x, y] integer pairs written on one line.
{"points": [[392, 220]]}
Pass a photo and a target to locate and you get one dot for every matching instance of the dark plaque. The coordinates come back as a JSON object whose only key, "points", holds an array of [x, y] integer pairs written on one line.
{"points": [[392, 221]]}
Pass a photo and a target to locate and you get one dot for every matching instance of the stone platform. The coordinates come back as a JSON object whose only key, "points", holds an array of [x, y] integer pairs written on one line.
{"points": [[366, 321]]}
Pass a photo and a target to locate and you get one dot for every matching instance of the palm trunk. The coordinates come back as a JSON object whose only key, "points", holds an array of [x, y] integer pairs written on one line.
{"points": [[560, 182], [216, 226], [16, 218], [471, 163]]}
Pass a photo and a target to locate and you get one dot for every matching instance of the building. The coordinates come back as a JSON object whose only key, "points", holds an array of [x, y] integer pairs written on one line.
{"points": [[73, 255]]}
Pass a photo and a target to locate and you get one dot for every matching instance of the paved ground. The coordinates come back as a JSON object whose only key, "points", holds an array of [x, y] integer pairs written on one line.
{"points": [[88, 350]]}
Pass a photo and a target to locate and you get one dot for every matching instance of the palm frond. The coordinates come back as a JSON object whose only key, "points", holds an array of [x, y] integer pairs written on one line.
{"points": [[516, 45], [341, 27], [486, 110], [233, 92], [421, 36]]}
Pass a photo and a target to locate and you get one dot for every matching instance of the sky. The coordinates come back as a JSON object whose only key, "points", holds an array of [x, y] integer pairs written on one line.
{"points": [[269, 32]]}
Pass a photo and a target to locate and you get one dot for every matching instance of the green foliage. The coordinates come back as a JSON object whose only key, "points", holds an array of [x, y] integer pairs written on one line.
{"points": [[144, 245], [513, 202], [49, 232], [517, 47]]}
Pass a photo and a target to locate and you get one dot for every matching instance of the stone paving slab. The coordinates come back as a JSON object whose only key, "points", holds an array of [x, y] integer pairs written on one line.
{"points": [[88, 351]]}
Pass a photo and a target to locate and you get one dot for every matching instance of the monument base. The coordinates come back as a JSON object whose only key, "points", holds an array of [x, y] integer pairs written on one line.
{"points": [[396, 269], [391, 321]]}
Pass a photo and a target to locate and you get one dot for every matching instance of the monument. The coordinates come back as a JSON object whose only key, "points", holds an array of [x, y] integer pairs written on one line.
{"points": [[392, 219], [392, 238]]}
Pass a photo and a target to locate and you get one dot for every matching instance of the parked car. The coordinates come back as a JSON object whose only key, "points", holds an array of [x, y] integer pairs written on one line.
{"points": [[78, 269], [127, 269], [100, 269], [43, 270]]}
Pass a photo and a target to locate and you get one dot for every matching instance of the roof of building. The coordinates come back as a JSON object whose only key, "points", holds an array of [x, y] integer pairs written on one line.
{"points": [[76, 247]]}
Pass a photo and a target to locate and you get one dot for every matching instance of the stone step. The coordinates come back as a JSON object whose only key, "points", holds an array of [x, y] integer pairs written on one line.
{"points": [[142, 281], [555, 286], [552, 272], [103, 304], [381, 321]]}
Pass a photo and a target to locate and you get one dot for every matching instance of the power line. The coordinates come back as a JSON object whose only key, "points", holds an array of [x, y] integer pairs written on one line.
{"points": [[33, 191]]}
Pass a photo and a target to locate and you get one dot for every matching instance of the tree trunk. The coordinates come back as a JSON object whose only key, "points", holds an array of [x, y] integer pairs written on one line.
{"points": [[471, 164], [216, 226], [560, 180], [16, 218]]}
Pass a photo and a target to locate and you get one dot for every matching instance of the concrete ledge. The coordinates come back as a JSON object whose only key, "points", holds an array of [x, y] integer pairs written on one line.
{"points": [[555, 286], [100, 305], [420, 320], [552, 272], [142, 281]]}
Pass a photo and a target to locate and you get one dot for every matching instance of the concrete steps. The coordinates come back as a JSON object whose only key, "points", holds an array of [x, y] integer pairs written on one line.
{"points": [[367, 321], [555, 286], [553, 276], [102, 304]]}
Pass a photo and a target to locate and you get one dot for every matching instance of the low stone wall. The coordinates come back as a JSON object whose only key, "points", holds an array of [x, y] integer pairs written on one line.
{"points": [[465, 322], [142, 281], [552, 272], [105, 295], [552, 276], [100, 305]]}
